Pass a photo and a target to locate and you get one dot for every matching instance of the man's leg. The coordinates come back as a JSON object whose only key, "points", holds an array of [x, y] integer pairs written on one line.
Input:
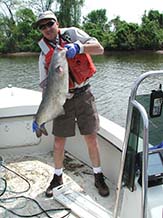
{"points": [[59, 143], [93, 150], [63, 127]]}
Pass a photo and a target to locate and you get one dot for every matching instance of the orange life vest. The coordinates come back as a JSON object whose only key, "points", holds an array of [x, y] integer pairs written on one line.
{"points": [[81, 67]]}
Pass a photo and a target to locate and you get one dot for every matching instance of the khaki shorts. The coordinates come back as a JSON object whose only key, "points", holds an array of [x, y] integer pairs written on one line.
{"points": [[80, 109]]}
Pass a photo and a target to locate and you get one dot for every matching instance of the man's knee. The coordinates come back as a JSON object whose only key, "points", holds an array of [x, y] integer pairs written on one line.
{"points": [[59, 143]]}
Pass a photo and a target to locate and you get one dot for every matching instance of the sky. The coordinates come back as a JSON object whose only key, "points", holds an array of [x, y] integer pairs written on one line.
{"points": [[128, 10]]}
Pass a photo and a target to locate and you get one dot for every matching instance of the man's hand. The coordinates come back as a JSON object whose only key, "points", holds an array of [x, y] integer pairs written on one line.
{"points": [[35, 126], [39, 129], [72, 50]]}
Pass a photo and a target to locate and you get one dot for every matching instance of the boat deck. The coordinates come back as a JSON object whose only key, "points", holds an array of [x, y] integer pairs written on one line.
{"points": [[38, 171]]}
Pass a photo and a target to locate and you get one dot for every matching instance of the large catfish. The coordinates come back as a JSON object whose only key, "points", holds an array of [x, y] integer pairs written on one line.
{"points": [[55, 93]]}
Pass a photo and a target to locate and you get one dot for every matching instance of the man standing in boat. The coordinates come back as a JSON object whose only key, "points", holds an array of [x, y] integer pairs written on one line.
{"points": [[80, 107]]}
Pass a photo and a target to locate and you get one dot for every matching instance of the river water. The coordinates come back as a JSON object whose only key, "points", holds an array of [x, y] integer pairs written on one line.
{"points": [[111, 84]]}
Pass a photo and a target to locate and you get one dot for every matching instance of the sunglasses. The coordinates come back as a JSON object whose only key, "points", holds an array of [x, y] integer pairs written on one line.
{"points": [[49, 24]]}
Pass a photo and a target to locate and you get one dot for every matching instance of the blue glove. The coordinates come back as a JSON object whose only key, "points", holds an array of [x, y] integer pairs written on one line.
{"points": [[35, 126], [72, 50], [39, 129]]}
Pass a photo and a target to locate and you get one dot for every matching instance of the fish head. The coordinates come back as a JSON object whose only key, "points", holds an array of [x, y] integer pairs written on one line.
{"points": [[59, 56], [58, 70], [59, 63]]}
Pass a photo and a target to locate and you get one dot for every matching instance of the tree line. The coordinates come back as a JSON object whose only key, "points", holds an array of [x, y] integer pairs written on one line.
{"points": [[19, 35]]}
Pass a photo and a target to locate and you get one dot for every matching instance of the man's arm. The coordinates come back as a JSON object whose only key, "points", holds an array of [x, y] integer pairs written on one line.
{"points": [[94, 48], [87, 43]]}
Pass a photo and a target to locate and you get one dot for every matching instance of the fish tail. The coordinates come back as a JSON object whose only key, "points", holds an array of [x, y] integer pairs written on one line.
{"points": [[38, 133], [43, 130]]}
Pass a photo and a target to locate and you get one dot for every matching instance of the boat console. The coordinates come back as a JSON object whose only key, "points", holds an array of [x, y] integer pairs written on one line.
{"points": [[141, 174]]}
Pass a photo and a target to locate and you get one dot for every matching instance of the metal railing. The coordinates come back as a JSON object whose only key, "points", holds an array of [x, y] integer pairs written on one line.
{"points": [[133, 103]]}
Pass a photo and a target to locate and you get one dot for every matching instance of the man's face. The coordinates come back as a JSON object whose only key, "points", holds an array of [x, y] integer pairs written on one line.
{"points": [[49, 28]]}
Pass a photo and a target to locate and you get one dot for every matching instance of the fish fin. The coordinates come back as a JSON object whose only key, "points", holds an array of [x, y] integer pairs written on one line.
{"points": [[44, 131], [38, 133]]}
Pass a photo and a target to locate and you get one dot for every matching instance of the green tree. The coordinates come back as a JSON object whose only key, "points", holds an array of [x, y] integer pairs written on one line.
{"points": [[69, 12], [150, 32], [17, 33], [27, 37], [148, 39], [18, 36], [7, 26], [97, 17], [126, 36], [153, 15], [95, 24], [3, 47]]}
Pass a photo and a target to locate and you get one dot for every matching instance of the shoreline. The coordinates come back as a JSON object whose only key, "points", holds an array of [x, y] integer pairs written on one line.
{"points": [[26, 54], [19, 54]]}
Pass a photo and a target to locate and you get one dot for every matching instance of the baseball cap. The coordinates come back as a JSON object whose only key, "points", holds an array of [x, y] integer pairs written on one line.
{"points": [[45, 15]]}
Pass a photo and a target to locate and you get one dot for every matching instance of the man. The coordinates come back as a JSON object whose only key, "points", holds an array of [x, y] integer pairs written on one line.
{"points": [[80, 106]]}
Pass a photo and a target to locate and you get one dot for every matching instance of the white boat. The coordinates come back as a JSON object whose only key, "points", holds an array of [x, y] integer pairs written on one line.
{"points": [[136, 187]]}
